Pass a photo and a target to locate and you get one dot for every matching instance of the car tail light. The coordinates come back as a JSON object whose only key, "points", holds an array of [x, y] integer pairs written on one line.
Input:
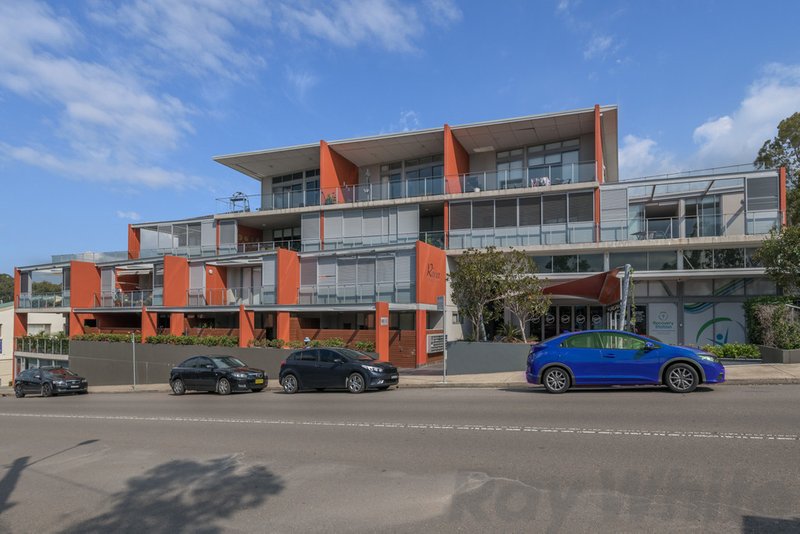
{"points": [[283, 363]]}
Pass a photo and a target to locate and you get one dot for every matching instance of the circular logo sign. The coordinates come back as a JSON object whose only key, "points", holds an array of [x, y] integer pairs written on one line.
{"points": [[596, 319], [565, 319], [580, 318], [663, 316], [549, 319]]}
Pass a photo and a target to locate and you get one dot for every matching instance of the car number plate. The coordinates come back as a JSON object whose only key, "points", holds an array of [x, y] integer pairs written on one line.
{"points": [[259, 380], [393, 377], [74, 386]]}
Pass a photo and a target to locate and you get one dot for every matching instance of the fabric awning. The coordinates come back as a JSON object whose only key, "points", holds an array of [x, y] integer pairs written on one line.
{"points": [[604, 288]]}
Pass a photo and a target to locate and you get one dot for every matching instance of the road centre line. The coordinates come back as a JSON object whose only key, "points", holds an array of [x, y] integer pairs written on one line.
{"points": [[426, 426]]}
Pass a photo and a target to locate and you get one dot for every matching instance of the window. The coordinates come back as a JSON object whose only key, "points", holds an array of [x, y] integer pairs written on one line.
{"points": [[554, 208], [483, 214], [662, 260], [506, 213], [328, 356], [530, 211], [636, 260], [582, 341], [620, 341], [309, 355], [581, 207], [460, 216]]}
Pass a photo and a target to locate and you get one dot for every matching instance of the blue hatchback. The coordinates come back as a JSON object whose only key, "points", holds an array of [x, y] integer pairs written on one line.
{"points": [[615, 358]]}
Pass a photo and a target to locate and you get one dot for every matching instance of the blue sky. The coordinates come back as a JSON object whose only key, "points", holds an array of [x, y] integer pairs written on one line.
{"points": [[110, 112]]}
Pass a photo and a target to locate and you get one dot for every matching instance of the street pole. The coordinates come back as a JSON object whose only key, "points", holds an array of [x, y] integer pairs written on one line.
{"points": [[133, 349], [444, 329]]}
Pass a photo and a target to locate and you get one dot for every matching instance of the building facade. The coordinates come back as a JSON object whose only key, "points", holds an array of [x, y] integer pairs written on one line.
{"points": [[29, 352], [353, 239]]}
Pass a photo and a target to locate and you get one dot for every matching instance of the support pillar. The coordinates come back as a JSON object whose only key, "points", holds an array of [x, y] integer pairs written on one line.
{"points": [[282, 329], [247, 320], [75, 325], [382, 330], [422, 338], [149, 324], [176, 327]]}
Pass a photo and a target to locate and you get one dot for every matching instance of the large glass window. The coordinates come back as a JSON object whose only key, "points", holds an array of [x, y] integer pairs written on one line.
{"points": [[637, 260], [663, 260]]}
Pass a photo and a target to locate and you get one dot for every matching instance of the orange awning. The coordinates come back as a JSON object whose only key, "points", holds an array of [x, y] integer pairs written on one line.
{"points": [[603, 288]]}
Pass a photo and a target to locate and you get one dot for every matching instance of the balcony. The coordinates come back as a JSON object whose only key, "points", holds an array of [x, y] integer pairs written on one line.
{"points": [[396, 292], [532, 177], [42, 300], [731, 224], [267, 246], [248, 296], [546, 234], [42, 345], [128, 299]]}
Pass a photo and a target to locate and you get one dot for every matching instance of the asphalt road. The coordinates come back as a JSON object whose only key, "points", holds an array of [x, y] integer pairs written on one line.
{"points": [[412, 460]]}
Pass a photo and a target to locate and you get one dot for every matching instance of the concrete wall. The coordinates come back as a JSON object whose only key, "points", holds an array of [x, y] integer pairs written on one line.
{"points": [[472, 358], [111, 363], [773, 355]]}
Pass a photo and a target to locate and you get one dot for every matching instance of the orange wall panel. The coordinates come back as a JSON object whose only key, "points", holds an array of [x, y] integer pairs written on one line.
{"points": [[134, 244], [456, 161], [430, 273], [335, 170], [216, 283], [283, 326], [287, 277], [176, 281], [246, 326], [149, 324], [84, 284], [421, 324], [382, 330], [177, 324]]}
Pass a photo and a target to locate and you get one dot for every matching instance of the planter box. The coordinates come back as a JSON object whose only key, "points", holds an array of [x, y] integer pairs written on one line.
{"points": [[773, 355]]}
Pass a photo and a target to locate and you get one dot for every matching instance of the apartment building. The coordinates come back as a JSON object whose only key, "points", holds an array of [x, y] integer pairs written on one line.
{"points": [[353, 239]]}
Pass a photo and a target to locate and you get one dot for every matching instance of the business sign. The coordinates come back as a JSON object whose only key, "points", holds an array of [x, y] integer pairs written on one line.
{"points": [[435, 343], [662, 322]]}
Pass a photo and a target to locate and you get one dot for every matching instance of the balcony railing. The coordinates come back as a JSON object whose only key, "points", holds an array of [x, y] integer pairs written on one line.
{"points": [[266, 246], [42, 345], [432, 238], [232, 296], [187, 251], [396, 292], [127, 299], [43, 300], [730, 224], [546, 234], [420, 187]]}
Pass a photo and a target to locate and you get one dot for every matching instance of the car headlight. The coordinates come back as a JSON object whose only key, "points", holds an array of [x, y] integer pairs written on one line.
{"points": [[372, 368], [707, 357], [239, 375], [60, 383]]}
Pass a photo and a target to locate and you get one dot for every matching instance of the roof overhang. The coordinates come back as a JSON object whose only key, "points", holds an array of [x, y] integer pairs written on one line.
{"points": [[273, 162], [603, 288]]}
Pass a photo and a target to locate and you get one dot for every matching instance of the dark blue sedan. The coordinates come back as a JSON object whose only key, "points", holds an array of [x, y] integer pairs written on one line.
{"points": [[615, 358]]}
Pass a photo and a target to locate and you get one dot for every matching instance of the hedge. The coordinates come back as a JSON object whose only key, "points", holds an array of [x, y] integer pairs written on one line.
{"points": [[754, 332], [271, 343], [111, 338], [208, 341], [734, 351]]}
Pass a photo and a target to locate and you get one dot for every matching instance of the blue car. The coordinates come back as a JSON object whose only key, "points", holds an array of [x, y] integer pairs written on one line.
{"points": [[615, 358]]}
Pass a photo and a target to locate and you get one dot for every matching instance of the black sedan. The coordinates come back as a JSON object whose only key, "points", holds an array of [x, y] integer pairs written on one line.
{"points": [[49, 381], [223, 374], [335, 368]]}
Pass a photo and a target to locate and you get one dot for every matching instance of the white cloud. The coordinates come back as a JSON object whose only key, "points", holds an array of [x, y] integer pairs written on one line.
{"points": [[194, 35], [129, 215], [407, 122], [641, 156], [443, 12], [599, 47], [348, 23], [300, 82], [736, 137]]}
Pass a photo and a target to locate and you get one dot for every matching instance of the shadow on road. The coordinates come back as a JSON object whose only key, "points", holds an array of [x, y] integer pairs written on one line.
{"points": [[184, 496], [751, 524]]}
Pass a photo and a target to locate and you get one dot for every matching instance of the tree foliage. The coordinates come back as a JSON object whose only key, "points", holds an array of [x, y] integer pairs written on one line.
{"points": [[6, 288], [44, 287], [487, 276], [522, 290], [779, 254], [783, 150]]}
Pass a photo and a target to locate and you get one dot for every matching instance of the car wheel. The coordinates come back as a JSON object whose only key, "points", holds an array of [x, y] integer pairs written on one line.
{"points": [[682, 378], [47, 390], [290, 384], [556, 380], [223, 386], [19, 392], [356, 383], [178, 387]]}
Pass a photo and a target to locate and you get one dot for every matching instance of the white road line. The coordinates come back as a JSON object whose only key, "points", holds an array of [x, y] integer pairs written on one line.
{"points": [[425, 426]]}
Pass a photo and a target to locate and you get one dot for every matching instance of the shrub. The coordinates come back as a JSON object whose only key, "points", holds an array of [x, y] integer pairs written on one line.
{"points": [[364, 346], [754, 330], [271, 343], [734, 350], [778, 329], [332, 342], [295, 344], [208, 341], [110, 338]]}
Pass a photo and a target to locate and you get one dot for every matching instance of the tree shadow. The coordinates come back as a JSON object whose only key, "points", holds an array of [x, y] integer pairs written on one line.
{"points": [[752, 524], [184, 496]]}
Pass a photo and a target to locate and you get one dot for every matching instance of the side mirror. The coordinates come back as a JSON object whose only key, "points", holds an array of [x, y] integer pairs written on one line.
{"points": [[209, 366], [649, 346]]}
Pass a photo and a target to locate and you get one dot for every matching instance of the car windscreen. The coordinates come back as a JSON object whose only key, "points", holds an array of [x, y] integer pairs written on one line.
{"points": [[61, 372], [223, 362], [356, 355]]}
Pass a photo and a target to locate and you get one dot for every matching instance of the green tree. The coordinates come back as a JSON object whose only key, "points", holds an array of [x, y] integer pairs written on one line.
{"points": [[44, 287], [522, 289], [6, 288], [784, 151], [474, 284], [779, 254]]}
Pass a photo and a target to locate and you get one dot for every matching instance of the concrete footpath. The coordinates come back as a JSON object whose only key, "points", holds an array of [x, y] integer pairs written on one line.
{"points": [[736, 375]]}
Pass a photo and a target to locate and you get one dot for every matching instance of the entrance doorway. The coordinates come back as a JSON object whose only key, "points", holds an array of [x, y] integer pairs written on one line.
{"points": [[562, 318]]}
